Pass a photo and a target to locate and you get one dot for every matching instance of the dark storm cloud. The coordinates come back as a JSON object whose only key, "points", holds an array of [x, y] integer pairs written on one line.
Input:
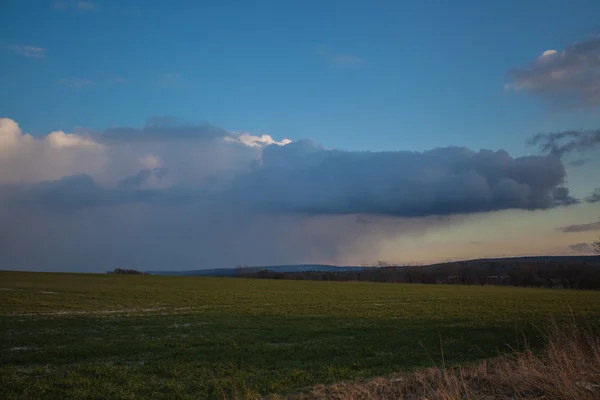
{"points": [[81, 191], [303, 178], [567, 78], [70, 192], [594, 226]]}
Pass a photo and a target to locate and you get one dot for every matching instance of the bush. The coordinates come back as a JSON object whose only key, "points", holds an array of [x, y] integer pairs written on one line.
{"points": [[123, 271]]}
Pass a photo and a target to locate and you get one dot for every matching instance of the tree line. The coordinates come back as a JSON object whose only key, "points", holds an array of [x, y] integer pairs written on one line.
{"points": [[568, 274]]}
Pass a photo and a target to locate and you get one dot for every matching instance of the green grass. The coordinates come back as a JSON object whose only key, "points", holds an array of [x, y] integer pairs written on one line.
{"points": [[107, 336]]}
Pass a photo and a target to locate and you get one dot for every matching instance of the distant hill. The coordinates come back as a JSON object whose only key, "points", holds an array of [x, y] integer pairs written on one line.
{"points": [[333, 268], [539, 259], [274, 268]]}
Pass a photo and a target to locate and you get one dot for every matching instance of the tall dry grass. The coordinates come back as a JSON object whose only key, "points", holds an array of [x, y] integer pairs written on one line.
{"points": [[567, 369]]}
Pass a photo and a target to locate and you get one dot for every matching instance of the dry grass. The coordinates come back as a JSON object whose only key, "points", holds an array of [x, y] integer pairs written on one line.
{"points": [[567, 369]]}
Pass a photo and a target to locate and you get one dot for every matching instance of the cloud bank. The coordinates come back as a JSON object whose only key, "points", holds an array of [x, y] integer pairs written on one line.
{"points": [[176, 196], [288, 177], [302, 177]]}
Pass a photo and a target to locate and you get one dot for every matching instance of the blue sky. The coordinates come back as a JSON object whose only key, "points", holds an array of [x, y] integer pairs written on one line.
{"points": [[407, 76], [351, 75]]}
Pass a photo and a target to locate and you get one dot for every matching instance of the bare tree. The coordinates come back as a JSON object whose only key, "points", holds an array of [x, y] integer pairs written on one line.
{"points": [[596, 245]]}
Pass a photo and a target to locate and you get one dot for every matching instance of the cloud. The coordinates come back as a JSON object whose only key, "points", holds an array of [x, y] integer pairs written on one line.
{"points": [[68, 193], [579, 162], [255, 141], [594, 226], [304, 178], [174, 196], [566, 143], [567, 78], [581, 248], [59, 139], [339, 59], [24, 158], [192, 153], [146, 177], [549, 53], [75, 82], [78, 192], [28, 51], [594, 197]]}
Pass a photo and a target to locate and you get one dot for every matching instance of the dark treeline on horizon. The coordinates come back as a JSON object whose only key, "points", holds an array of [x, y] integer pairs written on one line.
{"points": [[126, 271], [578, 274]]}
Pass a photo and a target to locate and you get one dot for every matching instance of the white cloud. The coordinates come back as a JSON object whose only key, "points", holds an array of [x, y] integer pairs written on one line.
{"points": [[24, 158], [59, 139], [191, 153], [28, 51], [549, 53], [255, 141], [10, 134]]}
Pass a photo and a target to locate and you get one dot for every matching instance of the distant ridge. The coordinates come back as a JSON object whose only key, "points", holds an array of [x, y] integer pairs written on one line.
{"points": [[274, 268], [333, 268], [534, 258]]}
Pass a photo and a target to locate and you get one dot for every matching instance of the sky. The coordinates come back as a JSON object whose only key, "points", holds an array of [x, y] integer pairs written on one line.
{"points": [[188, 135]]}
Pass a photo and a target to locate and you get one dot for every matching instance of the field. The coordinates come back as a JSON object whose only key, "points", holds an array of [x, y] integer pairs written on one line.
{"points": [[116, 336]]}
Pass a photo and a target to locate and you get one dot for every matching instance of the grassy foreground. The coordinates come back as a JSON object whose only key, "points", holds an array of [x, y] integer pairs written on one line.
{"points": [[114, 336], [568, 368]]}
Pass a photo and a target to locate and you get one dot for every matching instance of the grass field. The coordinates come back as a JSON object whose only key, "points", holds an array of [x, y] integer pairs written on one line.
{"points": [[116, 336]]}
